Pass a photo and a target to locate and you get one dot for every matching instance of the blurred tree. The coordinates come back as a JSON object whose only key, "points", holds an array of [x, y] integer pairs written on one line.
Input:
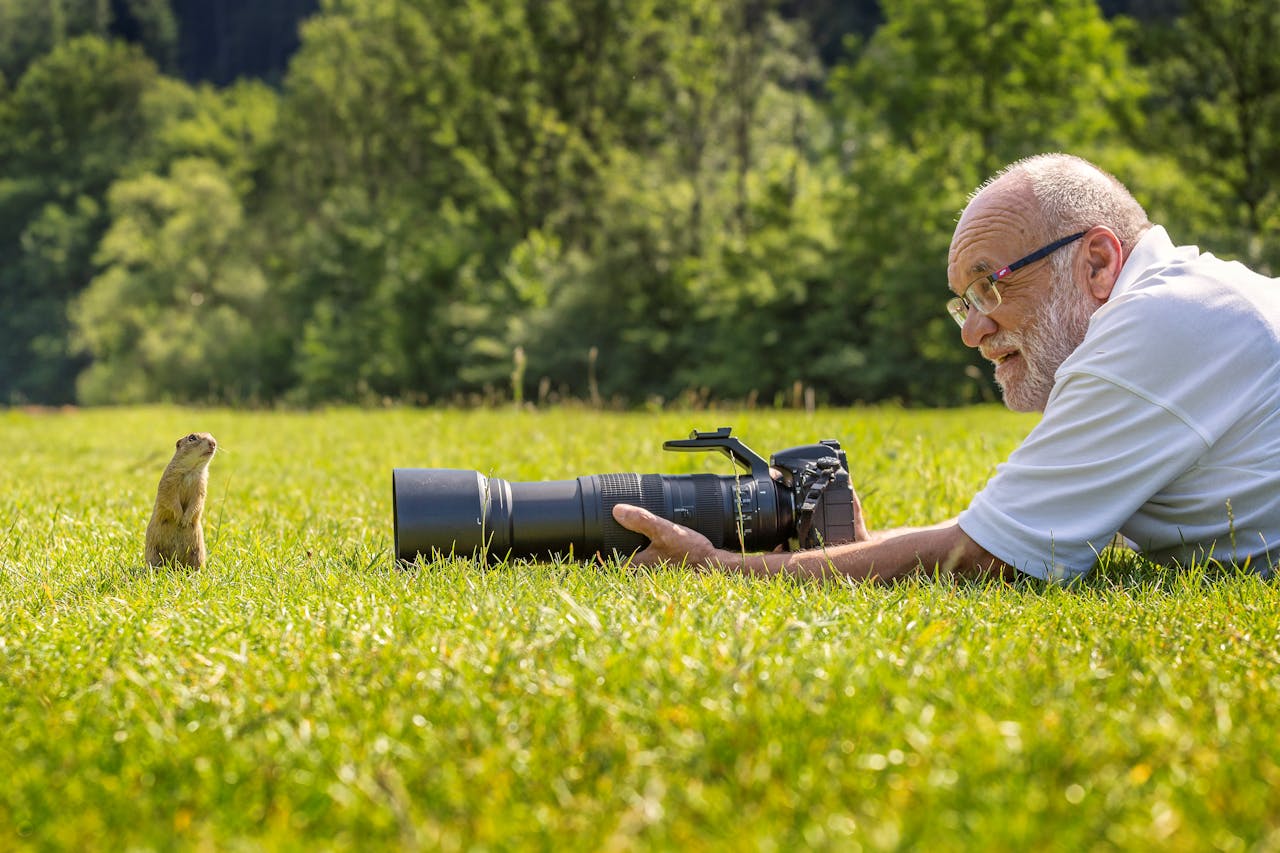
{"points": [[605, 317], [72, 124], [181, 310], [401, 118], [644, 289], [511, 114], [31, 28], [1215, 107], [765, 313], [644, 197], [393, 305], [944, 94], [234, 126], [181, 307], [992, 80]]}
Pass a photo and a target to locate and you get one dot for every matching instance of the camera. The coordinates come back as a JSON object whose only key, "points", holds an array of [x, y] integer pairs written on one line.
{"points": [[800, 498]]}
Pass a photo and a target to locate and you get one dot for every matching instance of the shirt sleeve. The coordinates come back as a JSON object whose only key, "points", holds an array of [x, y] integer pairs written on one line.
{"points": [[1100, 452]]}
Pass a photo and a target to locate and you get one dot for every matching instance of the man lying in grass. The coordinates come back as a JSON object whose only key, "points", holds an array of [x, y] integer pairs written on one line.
{"points": [[1157, 368]]}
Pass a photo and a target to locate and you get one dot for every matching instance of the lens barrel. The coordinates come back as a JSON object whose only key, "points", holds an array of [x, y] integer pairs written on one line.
{"points": [[449, 511]]}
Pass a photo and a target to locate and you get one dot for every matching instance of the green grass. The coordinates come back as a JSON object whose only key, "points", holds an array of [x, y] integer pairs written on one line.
{"points": [[303, 693]]}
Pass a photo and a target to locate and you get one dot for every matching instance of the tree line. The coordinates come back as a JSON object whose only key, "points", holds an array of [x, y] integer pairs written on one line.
{"points": [[628, 200]]}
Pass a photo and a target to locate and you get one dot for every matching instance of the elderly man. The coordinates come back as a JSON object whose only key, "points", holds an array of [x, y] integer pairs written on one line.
{"points": [[1157, 368]]}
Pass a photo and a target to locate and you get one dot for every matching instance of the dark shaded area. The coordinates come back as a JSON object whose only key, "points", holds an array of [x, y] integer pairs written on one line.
{"points": [[830, 22], [222, 40], [1143, 10]]}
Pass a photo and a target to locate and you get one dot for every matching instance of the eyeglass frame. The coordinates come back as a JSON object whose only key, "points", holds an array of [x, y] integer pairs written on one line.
{"points": [[958, 306]]}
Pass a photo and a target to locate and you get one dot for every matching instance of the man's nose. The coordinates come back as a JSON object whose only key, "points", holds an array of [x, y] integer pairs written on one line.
{"points": [[976, 327]]}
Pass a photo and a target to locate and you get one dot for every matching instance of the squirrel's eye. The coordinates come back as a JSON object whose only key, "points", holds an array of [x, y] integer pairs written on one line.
{"points": [[193, 437]]}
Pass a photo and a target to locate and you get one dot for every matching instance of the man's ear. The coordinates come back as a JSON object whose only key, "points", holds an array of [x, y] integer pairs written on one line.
{"points": [[1102, 257]]}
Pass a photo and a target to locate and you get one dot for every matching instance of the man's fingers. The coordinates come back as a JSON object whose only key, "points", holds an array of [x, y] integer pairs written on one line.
{"points": [[638, 519], [667, 540], [861, 533], [660, 531]]}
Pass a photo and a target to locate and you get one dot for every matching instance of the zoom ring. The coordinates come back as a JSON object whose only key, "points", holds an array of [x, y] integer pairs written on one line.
{"points": [[708, 496]]}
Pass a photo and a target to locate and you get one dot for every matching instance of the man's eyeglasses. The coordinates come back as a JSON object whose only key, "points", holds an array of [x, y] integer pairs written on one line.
{"points": [[982, 292]]}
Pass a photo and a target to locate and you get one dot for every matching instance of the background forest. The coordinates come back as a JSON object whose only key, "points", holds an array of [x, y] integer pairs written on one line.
{"points": [[628, 201]]}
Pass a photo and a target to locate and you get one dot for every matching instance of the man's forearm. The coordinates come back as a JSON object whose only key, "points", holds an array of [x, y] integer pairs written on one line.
{"points": [[943, 547], [900, 531]]}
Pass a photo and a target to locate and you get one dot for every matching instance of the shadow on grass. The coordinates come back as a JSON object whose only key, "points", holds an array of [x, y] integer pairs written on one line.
{"points": [[1122, 570]]}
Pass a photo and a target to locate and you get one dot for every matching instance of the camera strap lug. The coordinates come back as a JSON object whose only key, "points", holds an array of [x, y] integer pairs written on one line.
{"points": [[826, 469]]}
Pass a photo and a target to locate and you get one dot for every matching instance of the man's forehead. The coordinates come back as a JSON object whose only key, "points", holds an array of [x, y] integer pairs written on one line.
{"points": [[974, 253], [994, 224], [978, 250]]}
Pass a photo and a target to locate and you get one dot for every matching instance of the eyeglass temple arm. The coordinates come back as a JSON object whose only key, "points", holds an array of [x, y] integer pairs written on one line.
{"points": [[1047, 250]]}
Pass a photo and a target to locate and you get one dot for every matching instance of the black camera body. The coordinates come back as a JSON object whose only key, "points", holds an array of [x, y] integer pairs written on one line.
{"points": [[801, 498]]}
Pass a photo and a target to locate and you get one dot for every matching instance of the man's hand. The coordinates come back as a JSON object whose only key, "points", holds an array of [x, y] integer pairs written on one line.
{"points": [[668, 541], [941, 547], [861, 533], [671, 542]]}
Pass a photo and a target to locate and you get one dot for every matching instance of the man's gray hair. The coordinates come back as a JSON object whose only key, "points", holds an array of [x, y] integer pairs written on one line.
{"points": [[1075, 195]]}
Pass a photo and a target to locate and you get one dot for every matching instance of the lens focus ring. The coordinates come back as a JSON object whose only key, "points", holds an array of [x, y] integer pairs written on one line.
{"points": [[642, 490]]}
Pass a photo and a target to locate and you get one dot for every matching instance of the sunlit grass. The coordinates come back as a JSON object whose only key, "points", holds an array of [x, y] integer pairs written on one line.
{"points": [[302, 692]]}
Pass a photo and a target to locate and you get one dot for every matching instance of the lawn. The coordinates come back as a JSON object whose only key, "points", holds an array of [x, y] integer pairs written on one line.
{"points": [[303, 692]]}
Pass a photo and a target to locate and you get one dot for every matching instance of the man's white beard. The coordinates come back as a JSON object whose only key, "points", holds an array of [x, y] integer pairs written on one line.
{"points": [[1045, 344]]}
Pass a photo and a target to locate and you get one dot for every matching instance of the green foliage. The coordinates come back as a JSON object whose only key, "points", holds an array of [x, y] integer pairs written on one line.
{"points": [[88, 121], [75, 116], [302, 692], [421, 142], [29, 29], [894, 225], [647, 199], [940, 97], [1219, 82], [643, 290], [394, 307], [445, 103], [235, 127], [774, 293], [990, 81], [621, 296], [180, 304], [181, 308], [72, 124]]}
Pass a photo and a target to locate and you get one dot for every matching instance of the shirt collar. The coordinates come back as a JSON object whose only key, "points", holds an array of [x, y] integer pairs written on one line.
{"points": [[1151, 248]]}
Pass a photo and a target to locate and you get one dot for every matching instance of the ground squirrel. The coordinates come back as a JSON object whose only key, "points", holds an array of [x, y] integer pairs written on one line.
{"points": [[174, 535]]}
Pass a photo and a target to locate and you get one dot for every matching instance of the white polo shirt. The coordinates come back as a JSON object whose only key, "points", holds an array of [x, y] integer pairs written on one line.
{"points": [[1163, 425]]}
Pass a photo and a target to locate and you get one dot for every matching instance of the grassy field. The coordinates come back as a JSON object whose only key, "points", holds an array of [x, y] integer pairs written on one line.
{"points": [[303, 693]]}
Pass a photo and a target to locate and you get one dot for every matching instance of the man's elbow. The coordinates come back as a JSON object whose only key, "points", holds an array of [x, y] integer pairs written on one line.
{"points": [[967, 559]]}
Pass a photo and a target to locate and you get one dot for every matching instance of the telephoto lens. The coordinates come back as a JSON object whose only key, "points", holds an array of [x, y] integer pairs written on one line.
{"points": [[463, 512], [446, 511]]}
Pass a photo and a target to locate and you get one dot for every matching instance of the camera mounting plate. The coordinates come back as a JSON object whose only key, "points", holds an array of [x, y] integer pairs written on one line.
{"points": [[731, 446]]}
